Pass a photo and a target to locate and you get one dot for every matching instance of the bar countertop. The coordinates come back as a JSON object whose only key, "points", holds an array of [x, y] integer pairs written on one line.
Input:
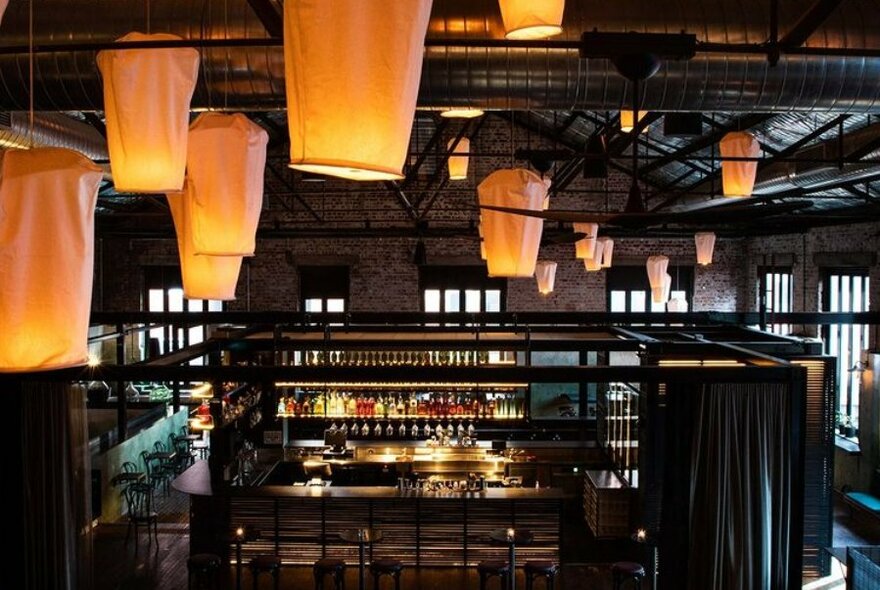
{"points": [[196, 481]]}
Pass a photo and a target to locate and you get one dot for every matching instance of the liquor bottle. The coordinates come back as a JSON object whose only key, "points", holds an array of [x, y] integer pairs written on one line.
{"points": [[297, 408], [289, 408], [371, 406], [379, 407], [281, 406], [306, 407], [318, 406], [401, 407], [490, 409], [459, 407], [413, 406], [359, 407], [352, 407], [421, 409]]}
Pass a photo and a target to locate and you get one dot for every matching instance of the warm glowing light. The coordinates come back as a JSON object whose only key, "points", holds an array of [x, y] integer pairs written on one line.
{"points": [[458, 164], [678, 304], [586, 246], [47, 219], [738, 177], [657, 266], [239, 532], [462, 113], [532, 19], [384, 385], [93, 361], [147, 94], [627, 124], [203, 391], [607, 252], [352, 72], [641, 535], [595, 262], [512, 241], [201, 423], [705, 242], [545, 273]]}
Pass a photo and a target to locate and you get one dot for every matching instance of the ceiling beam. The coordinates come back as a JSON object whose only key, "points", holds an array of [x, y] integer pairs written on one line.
{"points": [[413, 172], [289, 187], [811, 20], [269, 16], [402, 199]]}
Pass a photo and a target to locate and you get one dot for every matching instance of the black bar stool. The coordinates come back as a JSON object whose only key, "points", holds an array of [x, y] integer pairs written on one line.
{"points": [[332, 567], [487, 569], [268, 564], [541, 569], [386, 567], [202, 569], [622, 571]]}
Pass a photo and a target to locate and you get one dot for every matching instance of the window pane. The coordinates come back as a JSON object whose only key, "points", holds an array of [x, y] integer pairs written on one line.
{"points": [[314, 306], [193, 305], [452, 300], [336, 305], [618, 301], [175, 299], [493, 300], [214, 305], [637, 300], [472, 300], [432, 300], [657, 306], [156, 300]]}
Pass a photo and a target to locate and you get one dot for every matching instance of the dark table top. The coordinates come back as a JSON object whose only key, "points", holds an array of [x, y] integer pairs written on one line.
{"points": [[520, 536], [128, 477], [361, 535]]}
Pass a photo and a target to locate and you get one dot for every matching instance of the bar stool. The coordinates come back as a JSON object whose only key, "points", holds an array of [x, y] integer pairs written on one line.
{"points": [[386, 567], [541, 569], [332, 567], [268, 564], [622, 571], [487, 569], [202, 569]]}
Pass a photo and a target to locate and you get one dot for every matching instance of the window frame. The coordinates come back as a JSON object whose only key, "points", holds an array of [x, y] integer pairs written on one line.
{"points": [[763, 271], [631, 279], [463, 279], [324, 283]]}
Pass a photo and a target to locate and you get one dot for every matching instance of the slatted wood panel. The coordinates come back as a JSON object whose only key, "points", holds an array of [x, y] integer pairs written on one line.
{"points": [[258, 514], [299, 530], [818, 463], [397, 521], [339, 515], [441, 531]]}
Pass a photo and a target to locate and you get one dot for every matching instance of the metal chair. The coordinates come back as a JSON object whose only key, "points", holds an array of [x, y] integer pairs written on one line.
{"points": [[139, 507]]}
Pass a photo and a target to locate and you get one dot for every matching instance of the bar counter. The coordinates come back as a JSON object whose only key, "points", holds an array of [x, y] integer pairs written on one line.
{"points": [[301, 524]]}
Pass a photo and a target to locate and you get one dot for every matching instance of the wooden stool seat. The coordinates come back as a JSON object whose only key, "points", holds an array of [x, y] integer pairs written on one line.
{"points": [[622, 571], [202, 569], [386, 567], [268, 564], [329, 566], [490, 568], [541, 569]]}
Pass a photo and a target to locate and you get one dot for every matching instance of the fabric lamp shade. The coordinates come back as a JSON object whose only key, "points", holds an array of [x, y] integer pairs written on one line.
{"points": [[705, 242], [628, 122], [3, 5], [226, 160], [204, 276], [738, 177], [47, 245], [677, 304], [607, 245], [352, 72], [545, 273], [458, 164], [585, 247], [512, 241], [657, 266], [531, 19], [667, 289], [147, 94], [462, 113], [594, 263]]}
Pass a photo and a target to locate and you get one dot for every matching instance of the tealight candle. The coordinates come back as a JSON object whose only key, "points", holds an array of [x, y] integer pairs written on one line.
{"points": [[641, 535], [510, 534]]}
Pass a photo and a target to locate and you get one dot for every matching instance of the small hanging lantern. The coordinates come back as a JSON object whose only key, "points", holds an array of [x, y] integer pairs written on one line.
{"points": [[657, 266], [585, 247], [705, 242], [226, 161], [594, 263], [531, 19], [458, 164], [204, 276], [47, 218], [628, 122], [346, 59], [147, 93], [738, 177], [607, 251], [677, 304], [667, 288], [512, 241], [545, 273]]}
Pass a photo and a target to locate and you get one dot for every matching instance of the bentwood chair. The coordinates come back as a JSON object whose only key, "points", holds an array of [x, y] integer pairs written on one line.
{"points": [[139, 506]]}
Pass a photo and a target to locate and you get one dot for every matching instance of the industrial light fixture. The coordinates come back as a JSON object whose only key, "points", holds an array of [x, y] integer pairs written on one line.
{"points": [[458, 163], [531, 19], [462, 113], [705, 242], [738, 176], [545, 273], [344, 58], [657, 266]]}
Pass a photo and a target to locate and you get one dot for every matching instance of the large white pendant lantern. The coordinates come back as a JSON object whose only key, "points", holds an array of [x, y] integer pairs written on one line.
{"points": [[512, 241], [628, 121], [657, 266], [585, 247], [738, 177], [458, 164], [531, 19], [545, 273], [226, 163], [47, 238], [352, 72], [705, 242], [147, 94], [607, 245], [204, 276], [594, 263]]}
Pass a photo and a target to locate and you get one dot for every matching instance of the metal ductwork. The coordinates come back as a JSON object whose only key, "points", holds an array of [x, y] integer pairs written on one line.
{"points": [[802, 174], [252, 78], [51, 130]]}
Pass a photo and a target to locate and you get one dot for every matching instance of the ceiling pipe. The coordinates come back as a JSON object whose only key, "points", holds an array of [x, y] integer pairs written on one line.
{"points": [[735, 76], [51, 130]]}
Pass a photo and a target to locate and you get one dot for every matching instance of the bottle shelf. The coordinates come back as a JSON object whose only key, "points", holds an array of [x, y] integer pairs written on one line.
{"points": [[397, 417]]}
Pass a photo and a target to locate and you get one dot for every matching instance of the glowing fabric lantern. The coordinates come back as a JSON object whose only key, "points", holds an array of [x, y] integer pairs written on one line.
{"points": [[585, 247], [594, 263], [677, 304], [345, 59], [738, 177], [705, 247], [226, 161], [512, 241], [532, 19], [3, 5], [458, 165], [545, 273], [667, 289], [204, 277], [146, 102], [607, 251], [627, 122], [47, 218], [657, 266]]}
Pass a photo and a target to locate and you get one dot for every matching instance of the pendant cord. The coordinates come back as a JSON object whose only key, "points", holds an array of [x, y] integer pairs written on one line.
{"points": [[226, 69], [31, 70], [149, 23]]}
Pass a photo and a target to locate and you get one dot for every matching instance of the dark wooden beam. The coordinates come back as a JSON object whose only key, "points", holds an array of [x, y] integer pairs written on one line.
{"points": [[269, 16], [413, 172], [289, 187], [402, 199], [811, 20]]}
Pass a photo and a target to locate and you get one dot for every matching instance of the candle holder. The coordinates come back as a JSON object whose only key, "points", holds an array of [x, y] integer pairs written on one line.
{"points": [[642, 537], [241, 534]]}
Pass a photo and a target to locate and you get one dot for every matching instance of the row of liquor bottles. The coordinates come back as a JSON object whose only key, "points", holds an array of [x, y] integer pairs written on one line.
{"points": [[411, 358], [402, 405], [438, 431]]}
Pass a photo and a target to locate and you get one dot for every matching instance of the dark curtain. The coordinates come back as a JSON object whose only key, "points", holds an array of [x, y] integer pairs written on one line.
{"points": [[56, 487], [740, 488]]}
